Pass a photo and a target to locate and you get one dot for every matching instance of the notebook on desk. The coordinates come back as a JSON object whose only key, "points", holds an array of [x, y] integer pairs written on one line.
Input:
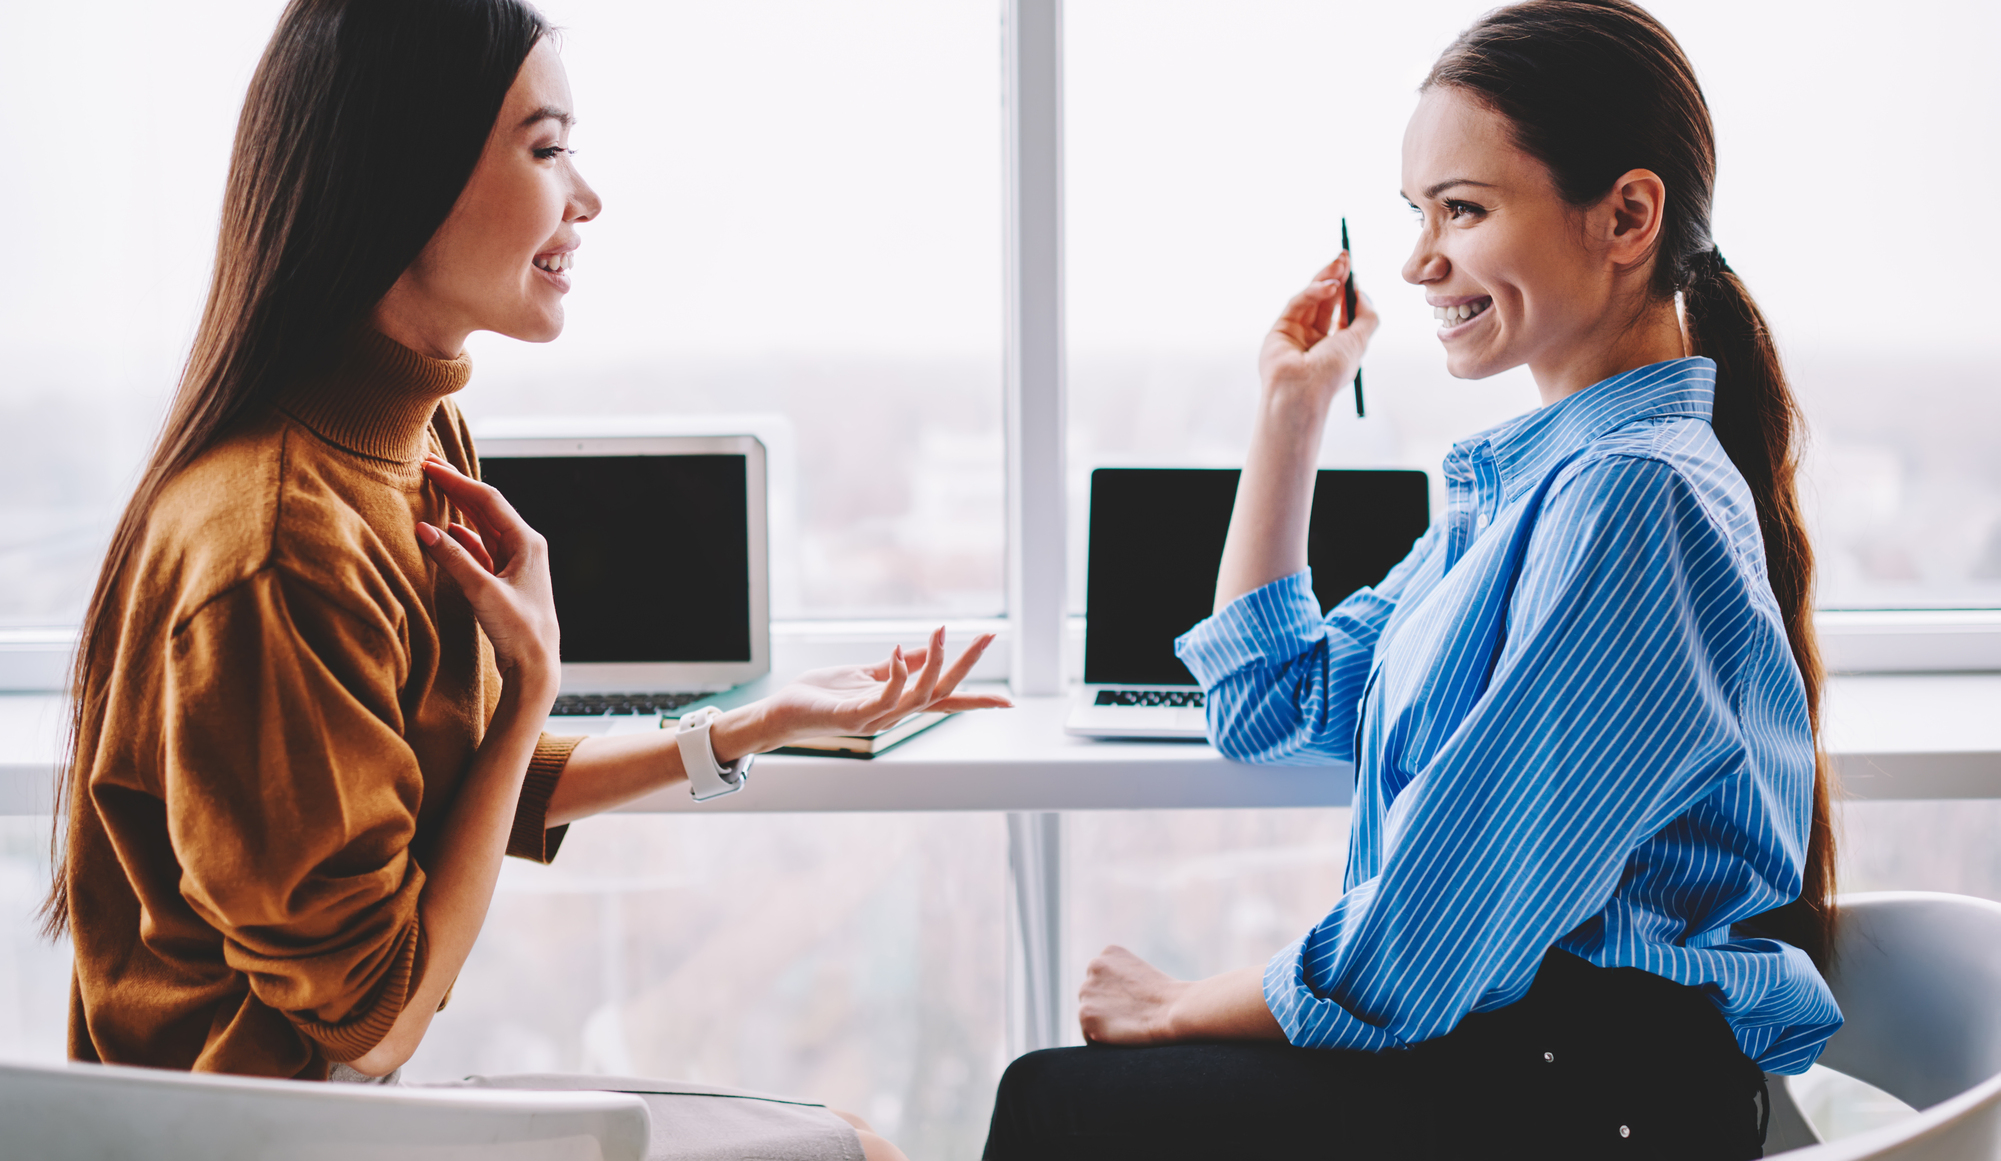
{"points": [[831, 745], [657, 554], [1156, 541]]}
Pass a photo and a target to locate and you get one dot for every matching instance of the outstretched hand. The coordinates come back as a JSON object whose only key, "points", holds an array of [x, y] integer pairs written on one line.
{"points": [[1312, 348], [862, 699]]}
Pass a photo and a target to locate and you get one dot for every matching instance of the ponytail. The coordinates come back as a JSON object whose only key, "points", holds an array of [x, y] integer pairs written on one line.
{"points": [[1594, 89], [1761, 429]]}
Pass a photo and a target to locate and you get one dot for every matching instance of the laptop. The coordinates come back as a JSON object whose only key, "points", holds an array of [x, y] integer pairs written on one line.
{"points": [[657, 553], [1156, 541]]}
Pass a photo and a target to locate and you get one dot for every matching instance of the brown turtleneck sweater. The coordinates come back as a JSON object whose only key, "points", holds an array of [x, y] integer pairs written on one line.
{"points": [[294, 695]]}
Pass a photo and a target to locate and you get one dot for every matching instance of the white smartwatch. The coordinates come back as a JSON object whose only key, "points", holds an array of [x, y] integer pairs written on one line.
{"points": [[708, 778]]}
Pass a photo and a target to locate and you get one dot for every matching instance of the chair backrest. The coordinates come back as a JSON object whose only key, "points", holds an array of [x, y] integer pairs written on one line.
{"points": [[1918, 978], [78, 1111]]}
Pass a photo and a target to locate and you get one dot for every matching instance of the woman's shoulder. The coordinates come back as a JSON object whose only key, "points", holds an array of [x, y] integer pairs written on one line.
{"points": [[212, 524], [256, 503], [1669, 474]]}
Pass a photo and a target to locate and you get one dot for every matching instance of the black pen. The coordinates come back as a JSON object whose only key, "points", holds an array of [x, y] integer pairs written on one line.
{"points": [[1348, 315]]}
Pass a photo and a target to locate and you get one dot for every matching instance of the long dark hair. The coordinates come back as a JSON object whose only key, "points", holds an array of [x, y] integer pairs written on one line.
{"points": [[361, 128], [1593, 89]]}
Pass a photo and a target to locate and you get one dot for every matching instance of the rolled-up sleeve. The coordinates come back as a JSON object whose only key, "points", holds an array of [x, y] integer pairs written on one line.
{"points": [[291, 800], [1282, 682]]}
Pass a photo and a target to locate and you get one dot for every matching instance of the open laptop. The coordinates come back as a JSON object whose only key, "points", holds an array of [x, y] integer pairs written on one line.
{"points": [[1156, 541], [657, 552]]}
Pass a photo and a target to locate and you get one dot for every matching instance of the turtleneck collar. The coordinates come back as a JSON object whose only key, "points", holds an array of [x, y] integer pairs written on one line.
{"points": [[375, 397]]}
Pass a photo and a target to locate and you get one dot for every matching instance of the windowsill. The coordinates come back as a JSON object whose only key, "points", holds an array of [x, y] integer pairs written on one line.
{"points": [[1905, 736]]}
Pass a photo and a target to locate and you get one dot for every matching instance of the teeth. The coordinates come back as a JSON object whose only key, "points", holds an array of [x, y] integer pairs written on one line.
{"points": [[1454, 315], [554, 264]]}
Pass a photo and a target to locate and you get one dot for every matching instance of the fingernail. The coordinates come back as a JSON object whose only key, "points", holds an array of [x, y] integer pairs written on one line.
{"points": [[426, 533]]}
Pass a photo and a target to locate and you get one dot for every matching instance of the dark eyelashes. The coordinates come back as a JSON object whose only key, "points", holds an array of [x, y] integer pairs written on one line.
{"points": [[1453, 209], [549, 151]]}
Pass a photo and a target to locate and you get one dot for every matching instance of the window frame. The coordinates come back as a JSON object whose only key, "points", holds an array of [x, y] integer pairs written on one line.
{"points": [[1039, 646]]}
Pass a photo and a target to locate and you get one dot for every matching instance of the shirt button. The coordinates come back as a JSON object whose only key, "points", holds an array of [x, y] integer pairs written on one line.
{"points": [[1625, 1131], [1549, 1057]]}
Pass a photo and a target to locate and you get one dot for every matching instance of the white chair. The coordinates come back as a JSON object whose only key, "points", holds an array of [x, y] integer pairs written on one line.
{"points": [[107, 1113], [1918, 977]]}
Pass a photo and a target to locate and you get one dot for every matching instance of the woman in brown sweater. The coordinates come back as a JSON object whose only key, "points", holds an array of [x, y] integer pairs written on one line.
{"points": [[314, 673]]}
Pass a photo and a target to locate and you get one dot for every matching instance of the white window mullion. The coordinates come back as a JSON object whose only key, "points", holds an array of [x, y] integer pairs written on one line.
{"points": [[1032, 97], [1032, 132]]}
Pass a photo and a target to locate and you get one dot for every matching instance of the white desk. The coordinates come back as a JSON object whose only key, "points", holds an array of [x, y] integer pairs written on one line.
{"points": [[1901, 736], [1894, 736]]}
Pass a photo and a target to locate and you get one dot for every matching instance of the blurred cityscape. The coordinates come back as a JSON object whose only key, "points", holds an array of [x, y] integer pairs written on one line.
{"points": [[899, 484]]}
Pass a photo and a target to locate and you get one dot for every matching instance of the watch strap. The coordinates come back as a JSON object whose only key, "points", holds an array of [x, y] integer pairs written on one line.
{"points": [[707, 778]]}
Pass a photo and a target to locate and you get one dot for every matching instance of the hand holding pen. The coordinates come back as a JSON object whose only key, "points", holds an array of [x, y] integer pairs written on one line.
{"points": [[1317, 343], [1348, 313]]}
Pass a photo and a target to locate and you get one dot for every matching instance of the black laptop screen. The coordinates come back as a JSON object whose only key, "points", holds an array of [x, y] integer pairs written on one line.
{"points": [[1157, 540], [650, 555]]}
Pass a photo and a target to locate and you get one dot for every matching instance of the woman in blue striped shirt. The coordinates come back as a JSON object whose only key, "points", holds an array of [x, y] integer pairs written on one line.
{"points": [[1586, 895]]}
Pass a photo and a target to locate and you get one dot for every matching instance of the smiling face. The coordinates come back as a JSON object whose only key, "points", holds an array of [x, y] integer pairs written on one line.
{"points": [[1514, 272], [501, 260]]}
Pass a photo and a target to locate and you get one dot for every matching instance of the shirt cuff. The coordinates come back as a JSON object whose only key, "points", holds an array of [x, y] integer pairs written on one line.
{"points": [[532, 837], [1312, 1021], [1282, 619]]}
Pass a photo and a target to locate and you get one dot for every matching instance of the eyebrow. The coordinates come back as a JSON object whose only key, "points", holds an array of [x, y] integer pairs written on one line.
{"points": [[1447, 184], [548, 113]]}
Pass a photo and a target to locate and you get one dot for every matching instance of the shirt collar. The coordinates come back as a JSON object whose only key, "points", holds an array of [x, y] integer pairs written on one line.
{"points": [[1525, 448]]}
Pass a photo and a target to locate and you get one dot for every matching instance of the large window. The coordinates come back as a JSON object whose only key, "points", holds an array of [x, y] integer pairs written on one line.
{"points": [[1213, 149], [801, 234]]}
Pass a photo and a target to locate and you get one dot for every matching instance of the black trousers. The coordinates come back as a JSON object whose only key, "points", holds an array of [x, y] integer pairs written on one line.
{"points": [[1593, 1062]]}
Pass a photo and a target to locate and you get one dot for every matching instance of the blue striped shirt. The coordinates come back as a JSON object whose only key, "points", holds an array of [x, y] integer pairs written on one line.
{"points": [[1574, 721]]}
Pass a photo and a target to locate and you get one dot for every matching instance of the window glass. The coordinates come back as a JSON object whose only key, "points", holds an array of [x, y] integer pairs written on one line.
{"points": [[855, 959], [1213, 149], [801, 235]]}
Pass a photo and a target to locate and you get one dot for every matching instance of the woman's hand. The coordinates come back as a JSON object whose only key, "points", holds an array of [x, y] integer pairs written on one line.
{"points": [[502, 566], [1311, 351], [1126, 1000], [1305, 362], [857, 699]]}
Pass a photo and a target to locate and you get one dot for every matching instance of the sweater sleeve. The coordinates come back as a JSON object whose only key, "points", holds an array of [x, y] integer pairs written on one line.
{"points": [[532, 837], [291, 801]]}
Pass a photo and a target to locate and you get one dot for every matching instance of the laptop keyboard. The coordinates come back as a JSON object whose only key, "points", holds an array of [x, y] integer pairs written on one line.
{"points": [[591, 705], [1191, 698]]}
